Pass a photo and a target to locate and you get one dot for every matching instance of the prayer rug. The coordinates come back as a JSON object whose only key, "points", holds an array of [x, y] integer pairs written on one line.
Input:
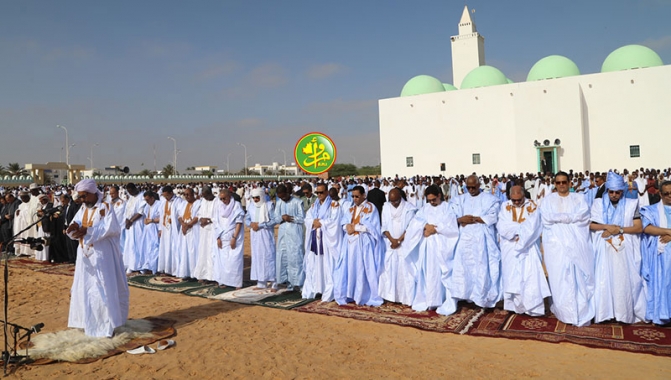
{"points": [[73, 346], [398, 314], [62, 269], [640, 338], [212, 291], [285, 300], [22, 262], [248, 295], [164, 283]]}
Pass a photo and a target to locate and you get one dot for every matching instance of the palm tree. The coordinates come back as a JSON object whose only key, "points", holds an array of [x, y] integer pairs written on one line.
{"points": [[3, 170], [15, 169], [168, 170], [147, 172]]}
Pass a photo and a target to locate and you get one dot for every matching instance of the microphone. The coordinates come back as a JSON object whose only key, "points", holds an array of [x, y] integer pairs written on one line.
{"points": [[37, 328], [53, 210]]}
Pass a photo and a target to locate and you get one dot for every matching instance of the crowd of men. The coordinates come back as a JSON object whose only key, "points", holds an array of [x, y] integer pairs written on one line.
{"points": [[592, 244]]}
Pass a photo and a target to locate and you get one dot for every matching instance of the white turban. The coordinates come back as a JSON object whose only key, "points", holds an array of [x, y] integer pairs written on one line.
{"points": [[258, 192], [88, 186]]}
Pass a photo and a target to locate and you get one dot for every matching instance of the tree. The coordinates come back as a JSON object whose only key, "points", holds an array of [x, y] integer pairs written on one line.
{"points": [[338, 170], [147, 172], [3, 170], [15, 169], [370, 170], [167, 171]]}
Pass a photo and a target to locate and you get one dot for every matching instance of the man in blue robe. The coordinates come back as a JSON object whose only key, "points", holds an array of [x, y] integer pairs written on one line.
{"points": [[290, 217], [656, 257]]}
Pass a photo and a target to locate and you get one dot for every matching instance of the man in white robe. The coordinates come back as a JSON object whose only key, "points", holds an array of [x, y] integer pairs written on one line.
{"points": [[397, 278], [134, 223], [99, 298], [524, 284], [119, 207], [476, 276], [323, 237], [188, 236], [290, 239], [616, 227], [568, 254], [147, 258], [23, 218], [357, 271], [432, 237], [262, 239], [228, 261], [168, 252], [207, 240]]}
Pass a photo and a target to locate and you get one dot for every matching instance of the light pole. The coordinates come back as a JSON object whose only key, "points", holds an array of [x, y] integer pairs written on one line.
{"points": [[91, 156], [244, 146], [228, 162], [67, 144], [285, 157], [354, 159], [175, 162]]}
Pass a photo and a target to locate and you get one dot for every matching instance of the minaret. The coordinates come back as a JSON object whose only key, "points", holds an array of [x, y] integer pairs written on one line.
{"points": [[468, 49]]}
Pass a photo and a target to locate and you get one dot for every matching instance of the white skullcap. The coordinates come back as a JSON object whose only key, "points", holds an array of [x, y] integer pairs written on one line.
{"points": [[33, 186]]}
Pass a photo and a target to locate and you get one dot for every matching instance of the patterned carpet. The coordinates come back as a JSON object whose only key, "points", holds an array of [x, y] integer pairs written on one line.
{"points": [[640, 338], [401, 315]]}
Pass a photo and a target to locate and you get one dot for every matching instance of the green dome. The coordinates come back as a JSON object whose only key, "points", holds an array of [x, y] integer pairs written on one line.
{"points": [[483, 76], [422, 84], [449, 87], [553, 66], [631, 57], [509, 80]]}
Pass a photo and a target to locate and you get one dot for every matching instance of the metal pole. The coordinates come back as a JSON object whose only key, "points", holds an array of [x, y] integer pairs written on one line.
{"points": [[91, 157], [175, 162], [285, 157], [67, 145], [228, 161], [245, 147]]}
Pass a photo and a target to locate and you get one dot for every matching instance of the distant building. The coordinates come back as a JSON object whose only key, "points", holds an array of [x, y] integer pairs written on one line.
{"points": [[275, 168]]}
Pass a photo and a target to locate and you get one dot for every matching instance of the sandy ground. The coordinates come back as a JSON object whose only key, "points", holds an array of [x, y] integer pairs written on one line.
{"points": [[217, 340]]}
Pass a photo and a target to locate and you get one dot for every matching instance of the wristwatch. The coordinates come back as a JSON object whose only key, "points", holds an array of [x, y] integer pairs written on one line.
{"points": [[621, 230]]}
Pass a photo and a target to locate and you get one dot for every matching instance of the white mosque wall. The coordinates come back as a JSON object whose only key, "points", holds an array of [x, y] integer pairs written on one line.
{"points": [[597, 117]]}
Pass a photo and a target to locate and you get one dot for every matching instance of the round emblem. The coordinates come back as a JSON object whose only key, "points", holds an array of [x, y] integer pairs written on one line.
{"points": [[315, 153]]}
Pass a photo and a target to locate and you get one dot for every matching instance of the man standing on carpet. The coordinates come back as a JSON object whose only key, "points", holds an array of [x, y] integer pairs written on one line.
{"points": [[289, 252], [322, 245], [616, 227], [357, 271], [430, 242], [119, 207], [188, 235], [262, 239], [397, 278], [207, 238], [134, 225], [524, 284], [168, 253], [656, 252], [568, 254], [476, 275], [148, 248], [99, 296], [228, 261]]}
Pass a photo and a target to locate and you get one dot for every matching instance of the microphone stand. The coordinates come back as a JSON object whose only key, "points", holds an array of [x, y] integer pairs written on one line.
{"points": [[13, 356]]}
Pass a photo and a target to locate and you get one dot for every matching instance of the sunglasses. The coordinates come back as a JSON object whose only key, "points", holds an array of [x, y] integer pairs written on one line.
{"points": [[561, 182], [614, 191], [471, 187], [319, 192], [666, 194], [521, 200]]}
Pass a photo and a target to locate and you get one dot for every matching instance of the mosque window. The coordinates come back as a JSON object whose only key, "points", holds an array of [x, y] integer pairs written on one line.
{"points": [[476, 158], [634, 151], [409, 162]]}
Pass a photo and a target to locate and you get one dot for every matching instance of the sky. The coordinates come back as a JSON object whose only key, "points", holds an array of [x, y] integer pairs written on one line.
{"points": [[126, 75]]}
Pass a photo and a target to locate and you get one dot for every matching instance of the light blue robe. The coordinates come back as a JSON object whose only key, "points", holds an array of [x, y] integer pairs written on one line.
{"points": [[569, 259], [262, 243], [229, 262], [476, 276], [289, 252], [358, 268], [169, 255], [656, 264], [149, 243]]}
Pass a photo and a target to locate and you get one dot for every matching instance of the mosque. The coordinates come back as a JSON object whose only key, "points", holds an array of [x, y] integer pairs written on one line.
{"points": [[556, 120]]}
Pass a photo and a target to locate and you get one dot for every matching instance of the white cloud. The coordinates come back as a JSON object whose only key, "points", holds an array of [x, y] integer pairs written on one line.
{"points": [[324, 71], [658, 44]]}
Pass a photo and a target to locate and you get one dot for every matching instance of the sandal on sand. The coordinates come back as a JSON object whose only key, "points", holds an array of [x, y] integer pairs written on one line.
{"points": [[163, 344], [142, 350]]}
